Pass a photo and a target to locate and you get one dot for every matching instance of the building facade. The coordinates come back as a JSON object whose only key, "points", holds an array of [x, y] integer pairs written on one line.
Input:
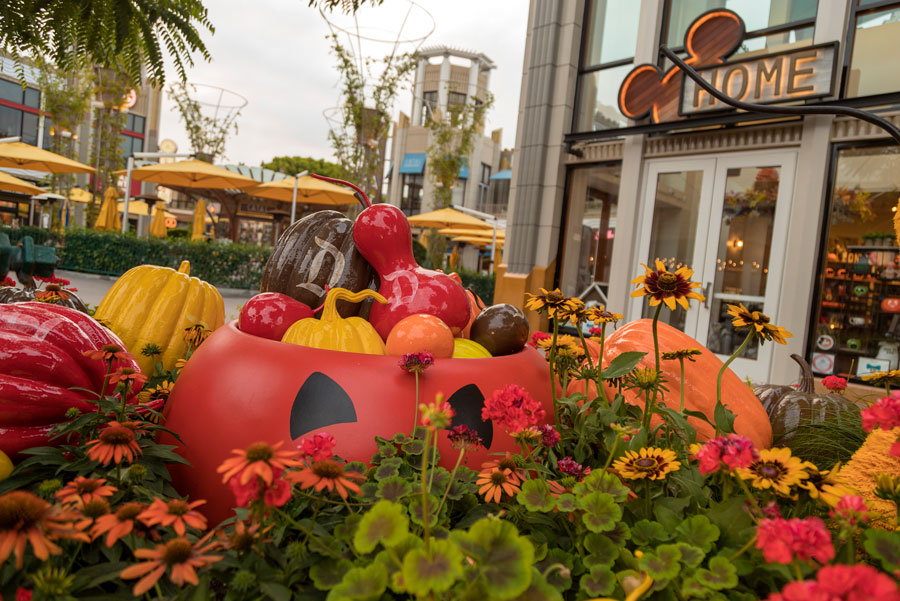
{"points": [[621, 161], [446, 77]]}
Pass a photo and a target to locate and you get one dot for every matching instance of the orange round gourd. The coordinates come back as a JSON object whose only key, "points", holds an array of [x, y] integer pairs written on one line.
{"points": [[420, 332], [699, 384]]}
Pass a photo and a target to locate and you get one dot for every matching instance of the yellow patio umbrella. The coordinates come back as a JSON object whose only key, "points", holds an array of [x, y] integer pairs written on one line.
{"points": [[158, 225], [476, 240], [80, 195], [9, 183], [108, 219], [199, 226], [18, 155], [139, 208], [191, 174], [309, 190], [444, 218], [463, 231]]}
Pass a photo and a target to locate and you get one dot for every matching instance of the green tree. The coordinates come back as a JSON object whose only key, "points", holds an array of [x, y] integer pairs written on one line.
{"points": [[294, 165], [111, 86], [135, 33]]}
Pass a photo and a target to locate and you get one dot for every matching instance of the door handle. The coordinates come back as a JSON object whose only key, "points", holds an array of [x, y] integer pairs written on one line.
{"points": [[706, 295]]}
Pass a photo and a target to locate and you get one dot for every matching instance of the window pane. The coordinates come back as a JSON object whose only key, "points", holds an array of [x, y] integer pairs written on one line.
{"points": [[125, 146], [48, 126], [776, 42], [137, 145], [599, 187], [138, 124], [11, 91], [598, 101], [859, 289], [870, 73], [612, 33], [10, 122], [32, 98], [29, 128], [757, 14], [129, 122]]}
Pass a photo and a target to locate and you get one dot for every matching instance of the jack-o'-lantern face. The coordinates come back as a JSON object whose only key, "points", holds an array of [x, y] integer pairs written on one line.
{"points": [[239, 389]]}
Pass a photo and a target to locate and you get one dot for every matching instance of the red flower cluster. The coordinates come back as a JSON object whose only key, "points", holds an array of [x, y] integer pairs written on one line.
{"points": [[851, 508], [734, 451], [783, 541], [841, 583], [537, 337], [53, 280], [273, 494], [834, 383], [416, 363], [570, 467], [464, 438], [512, 409], [318, 448], [549, 436], [884, 414], [7, 281]]}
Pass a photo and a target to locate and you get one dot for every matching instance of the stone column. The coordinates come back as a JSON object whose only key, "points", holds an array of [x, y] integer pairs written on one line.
{"points": [[444, 84], [418, 92]]}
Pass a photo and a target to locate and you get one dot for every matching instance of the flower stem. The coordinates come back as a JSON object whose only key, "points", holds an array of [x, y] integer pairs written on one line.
{"points": [[725, 365], [647, 503], [434, 453], [797, 571], [612, 452], [747, 493], [105, 379], [587, 352], [553, 370], [459, 459], [681, 363], [651, 402], [600, 359], [743, 549], [425, 525], [416, 409]]}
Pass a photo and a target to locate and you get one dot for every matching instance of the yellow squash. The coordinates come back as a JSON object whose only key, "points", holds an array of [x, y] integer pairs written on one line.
{"points": [[351, 335], [155, 304], [468, 349]]}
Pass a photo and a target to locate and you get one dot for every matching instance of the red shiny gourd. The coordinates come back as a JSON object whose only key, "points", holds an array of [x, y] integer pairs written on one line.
{"points": [[41, 359], [383, 237], [700, 380]]}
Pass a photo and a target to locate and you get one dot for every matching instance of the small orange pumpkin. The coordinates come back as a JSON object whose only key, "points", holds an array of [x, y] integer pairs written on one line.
{"points": [[700, 380]]}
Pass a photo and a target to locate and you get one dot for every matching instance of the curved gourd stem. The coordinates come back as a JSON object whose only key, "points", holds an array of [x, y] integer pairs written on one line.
{"points": [[185, 268], [824, 109], [333, 180], [329, 312], [807, 382]]}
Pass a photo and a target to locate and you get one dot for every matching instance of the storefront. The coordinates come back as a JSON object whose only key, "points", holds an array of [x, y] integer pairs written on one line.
{"points": [[792, 216]]}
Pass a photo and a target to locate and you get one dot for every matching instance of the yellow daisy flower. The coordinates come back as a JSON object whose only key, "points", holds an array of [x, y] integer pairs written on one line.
{"points": [[650, 463], [776, 469], [599, 315], [554, 303], [663, 286], [743, 318], [160, 392], [826, 485], [684, 353], [880, 378]]}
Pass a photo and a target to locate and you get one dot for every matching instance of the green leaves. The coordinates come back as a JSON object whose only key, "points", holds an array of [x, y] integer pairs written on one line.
{"points": [[720, 575], [601, 550], [600, 511], [360, 584], [698, 531], [622, 364], [602, 481], [434, 571], [502, 558], [885, 546], [385, 523], [535, 496], [328, 573], [663, 563], [644, 532], [600, 581]]}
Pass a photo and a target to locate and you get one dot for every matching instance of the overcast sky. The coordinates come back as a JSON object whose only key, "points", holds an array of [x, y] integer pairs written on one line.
{"points": [[275, 54]]}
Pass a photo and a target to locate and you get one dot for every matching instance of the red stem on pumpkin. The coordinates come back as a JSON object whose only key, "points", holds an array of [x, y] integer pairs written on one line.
{"points": [[365, 199]]}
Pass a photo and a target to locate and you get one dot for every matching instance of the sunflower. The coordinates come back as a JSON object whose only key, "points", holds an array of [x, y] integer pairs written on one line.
{"points": [[25, 519], [508, 463], [650, 462], [159, 393], [118, 524], [176, 513], [258, 459], [776, 469], [825, 485], [553, 303], [599, 315], [327, 474], [115, 443], [681, 354], [179, 555], [494, 482], [743, 318], [663, 286], [883, 378], [81, 490]]}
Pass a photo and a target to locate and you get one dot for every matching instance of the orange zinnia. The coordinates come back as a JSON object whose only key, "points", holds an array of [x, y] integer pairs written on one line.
{"points": [[116, 442], [81, 490], [507, 463], [326, 474], [176, 513], [495, 482], [118, 524], [25, 518], [178, 554], [257, 460]]}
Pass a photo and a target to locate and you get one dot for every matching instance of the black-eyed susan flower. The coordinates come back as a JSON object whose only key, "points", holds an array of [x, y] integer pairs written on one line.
{"points": [[744, 318], [554, 303], [649, 463], [883, 378], [663, 286], [599, 315], [682, 354], [157, 393], [776, 469], [195, 335]]}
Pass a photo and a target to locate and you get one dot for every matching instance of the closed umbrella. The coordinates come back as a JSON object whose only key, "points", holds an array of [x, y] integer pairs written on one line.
{"points": [[199, 226], [18, 155], [108, 219], [9, 183], [158, 225]]}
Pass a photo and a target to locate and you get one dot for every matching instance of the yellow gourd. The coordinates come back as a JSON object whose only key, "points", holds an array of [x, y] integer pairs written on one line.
{"points": [[468, 349], [155, 304], [330, 332]]}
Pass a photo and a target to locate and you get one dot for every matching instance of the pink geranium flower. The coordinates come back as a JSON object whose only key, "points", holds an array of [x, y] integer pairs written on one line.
{"points": [[318, 448], [733, 451], [512, 409], [834, 383], [884, 414], [842, 583], [783, 541]]}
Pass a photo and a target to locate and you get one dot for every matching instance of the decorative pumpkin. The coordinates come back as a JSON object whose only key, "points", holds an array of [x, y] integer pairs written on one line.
{"points": [[890, 305], [265, 390], [790, 407], [351, 335], [420, 332], [155, 304], [42, 364], [700, 380], [51, 293], [313, 255], [501, 329], [468, 349]]}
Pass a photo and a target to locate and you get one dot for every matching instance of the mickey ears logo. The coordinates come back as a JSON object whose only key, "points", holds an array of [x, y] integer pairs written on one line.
{"points": [[711, 38]]}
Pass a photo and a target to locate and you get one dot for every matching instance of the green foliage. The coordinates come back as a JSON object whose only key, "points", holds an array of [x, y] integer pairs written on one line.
{"points": [[292, 165], [535, 496], [480, 283], [432, 571], [600, 511], [698, 531], [384, 524], [824, 444], [230, 265], [885, 547]]}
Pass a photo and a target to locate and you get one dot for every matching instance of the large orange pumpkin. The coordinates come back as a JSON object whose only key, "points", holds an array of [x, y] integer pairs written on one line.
{"points": [[700, 380]]}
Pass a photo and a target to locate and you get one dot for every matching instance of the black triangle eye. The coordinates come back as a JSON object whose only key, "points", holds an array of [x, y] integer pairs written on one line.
{"points": [[467, 402], [321, 402]]}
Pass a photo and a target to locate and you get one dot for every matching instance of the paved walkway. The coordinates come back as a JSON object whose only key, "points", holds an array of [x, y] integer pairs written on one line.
{"points": [[92, 288]]}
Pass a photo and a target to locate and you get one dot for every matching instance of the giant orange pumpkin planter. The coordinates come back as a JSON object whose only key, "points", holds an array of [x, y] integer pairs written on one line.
{"points": [[238, 389], [700, 380]]}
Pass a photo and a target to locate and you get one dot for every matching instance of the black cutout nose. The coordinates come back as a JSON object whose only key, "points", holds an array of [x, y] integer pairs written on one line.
{"points": [[467, 402], [321, 402]]}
